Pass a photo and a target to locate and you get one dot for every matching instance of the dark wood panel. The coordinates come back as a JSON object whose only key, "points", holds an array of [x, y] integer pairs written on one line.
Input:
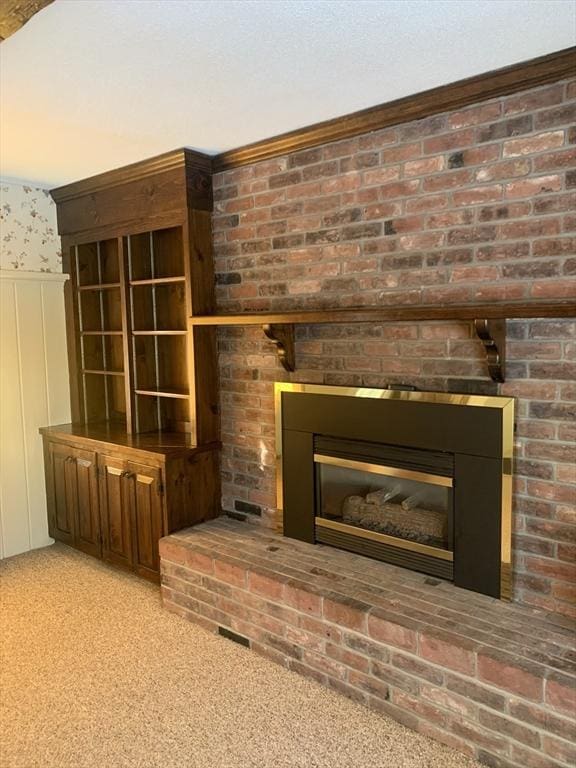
{"points": [[73, 343], [146, 515], [192, 490], [87, 522], [200, 263], [204, 402], [111, 207], [117, 544], [472, 90], [176, 159], [420, 312], [60, 500]]}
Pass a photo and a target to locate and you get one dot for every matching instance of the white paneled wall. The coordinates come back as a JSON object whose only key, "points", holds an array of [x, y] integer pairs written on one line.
{"points": [[34, 392]]}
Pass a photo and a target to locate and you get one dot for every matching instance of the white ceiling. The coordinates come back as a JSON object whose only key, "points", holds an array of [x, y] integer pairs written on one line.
{"points": [[89, 85]]}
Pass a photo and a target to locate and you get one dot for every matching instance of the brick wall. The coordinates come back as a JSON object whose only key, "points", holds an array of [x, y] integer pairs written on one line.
{"points": [[470, 206]]}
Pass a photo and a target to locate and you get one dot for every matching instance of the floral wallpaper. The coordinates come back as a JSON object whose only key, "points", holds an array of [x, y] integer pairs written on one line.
{"points": [[28, 236]]}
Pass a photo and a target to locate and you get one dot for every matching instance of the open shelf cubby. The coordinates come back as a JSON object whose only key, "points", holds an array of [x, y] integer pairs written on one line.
{"points": [[104, 398], [97, 263], [102, 353], [155, 256], [160, 365], [100, 310], [158, 413], [160, 307]]}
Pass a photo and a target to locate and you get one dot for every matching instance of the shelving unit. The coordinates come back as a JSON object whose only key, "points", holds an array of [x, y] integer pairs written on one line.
{"points": [[132, 302], [140, 459]]}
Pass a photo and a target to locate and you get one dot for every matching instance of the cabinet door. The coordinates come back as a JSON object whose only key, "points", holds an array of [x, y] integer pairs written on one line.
{"points": [[86, 512], [146, 513], [115, 511], [60, 492], [72, 493]]}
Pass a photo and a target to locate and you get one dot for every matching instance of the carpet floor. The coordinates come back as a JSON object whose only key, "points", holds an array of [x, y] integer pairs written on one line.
{"points": [[94, 673]]}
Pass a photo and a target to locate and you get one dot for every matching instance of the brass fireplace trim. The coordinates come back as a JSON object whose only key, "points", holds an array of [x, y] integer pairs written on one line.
{"points": [[506, 404], [413, 546], [379, 469]]}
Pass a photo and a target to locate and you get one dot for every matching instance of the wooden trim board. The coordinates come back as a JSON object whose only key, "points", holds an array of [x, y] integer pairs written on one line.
{"points": [[473, 90]]}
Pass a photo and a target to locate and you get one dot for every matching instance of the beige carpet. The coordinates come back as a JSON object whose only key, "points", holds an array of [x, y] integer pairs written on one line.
{"points": [[95, 673]]}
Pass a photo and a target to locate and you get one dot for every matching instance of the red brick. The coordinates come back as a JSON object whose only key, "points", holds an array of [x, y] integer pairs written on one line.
{"points": [[477, 195], [536, 99], [447, 180], [475, 115], [424, 709], [399, 189], [555, 160], [265, 586], [348, 658], [510, 674], [469, 274], [423, 167], [386, 629], [450, 219], [530, 187], [230, 573], [532, 144], [506, 170], [503, 725], [345, 612], [481, 737], [448, 650], [399, 154], [325, 665], [426, 203], [381, 175], [527, 758], [481, 154], [449, 701], [560, 749], [449, 141], [304, 600]]}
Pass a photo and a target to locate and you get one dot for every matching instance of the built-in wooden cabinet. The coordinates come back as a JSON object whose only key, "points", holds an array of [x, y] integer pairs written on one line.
{"points": [[114, 496], [140, 458]]}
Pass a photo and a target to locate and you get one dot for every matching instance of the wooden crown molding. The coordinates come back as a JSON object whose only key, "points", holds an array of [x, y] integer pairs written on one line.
{"points": [[178, 158], [500, 82], [15, 13]]}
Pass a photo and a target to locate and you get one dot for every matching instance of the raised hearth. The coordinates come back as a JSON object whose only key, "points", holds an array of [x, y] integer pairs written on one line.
{"points": [[490, 678], [417, 479]]}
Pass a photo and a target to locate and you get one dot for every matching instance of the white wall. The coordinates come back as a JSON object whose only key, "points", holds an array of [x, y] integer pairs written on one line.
{"points": [[34, 392], [34, 389]]}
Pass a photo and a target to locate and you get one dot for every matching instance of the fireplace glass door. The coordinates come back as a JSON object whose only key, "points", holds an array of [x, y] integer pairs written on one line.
{"points": [[406, 508]]}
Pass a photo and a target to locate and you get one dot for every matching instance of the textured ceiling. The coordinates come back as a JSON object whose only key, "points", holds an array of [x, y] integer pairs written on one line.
{"points": [[89, 85]]}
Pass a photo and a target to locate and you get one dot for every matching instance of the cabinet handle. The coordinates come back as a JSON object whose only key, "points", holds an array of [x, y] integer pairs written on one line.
{"points": [[127, 475], [70, 458]]}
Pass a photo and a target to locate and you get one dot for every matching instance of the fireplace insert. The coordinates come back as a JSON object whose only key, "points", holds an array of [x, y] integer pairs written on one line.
{"points": [[417, 479]]}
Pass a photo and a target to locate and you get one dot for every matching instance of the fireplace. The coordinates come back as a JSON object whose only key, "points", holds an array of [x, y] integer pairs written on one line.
{"points": [[421, 480]]}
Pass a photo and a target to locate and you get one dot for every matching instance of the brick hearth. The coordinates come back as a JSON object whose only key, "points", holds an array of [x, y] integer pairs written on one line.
{"points": [[492, 679]]}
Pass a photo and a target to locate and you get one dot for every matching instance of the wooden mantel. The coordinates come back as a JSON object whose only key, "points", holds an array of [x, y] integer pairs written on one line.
{"points": [[489, 323]]}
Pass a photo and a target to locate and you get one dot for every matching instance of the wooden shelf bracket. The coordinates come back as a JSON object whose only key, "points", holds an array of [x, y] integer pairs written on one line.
{"points": [[283, 338], [492, 334]]}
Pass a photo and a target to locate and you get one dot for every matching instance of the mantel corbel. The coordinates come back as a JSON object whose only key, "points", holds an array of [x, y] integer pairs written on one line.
{"points": [[283, 337], [492, 334]]}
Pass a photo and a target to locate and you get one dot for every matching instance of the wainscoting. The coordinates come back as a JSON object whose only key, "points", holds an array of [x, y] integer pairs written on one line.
{"points": [[34, 391]]}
